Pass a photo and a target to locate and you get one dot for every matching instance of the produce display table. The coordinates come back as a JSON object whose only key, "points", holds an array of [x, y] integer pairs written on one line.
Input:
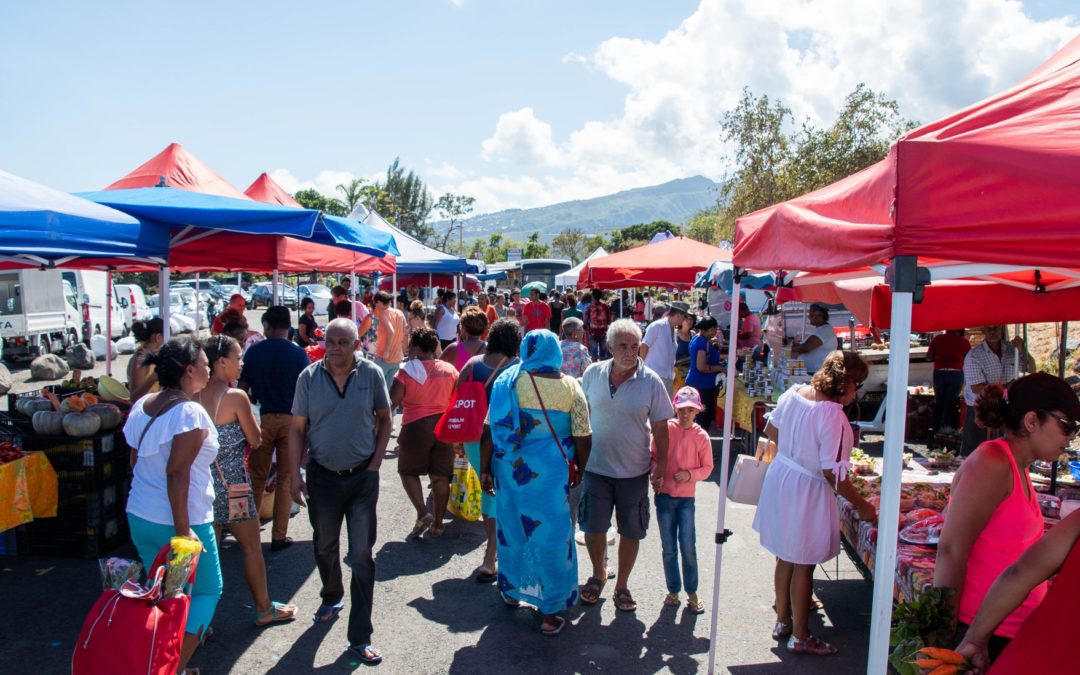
{"points": [[28, 490], [744, 408]]}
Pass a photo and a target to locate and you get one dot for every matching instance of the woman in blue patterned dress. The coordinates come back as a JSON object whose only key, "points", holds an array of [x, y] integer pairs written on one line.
{"points": [[538, 424]]}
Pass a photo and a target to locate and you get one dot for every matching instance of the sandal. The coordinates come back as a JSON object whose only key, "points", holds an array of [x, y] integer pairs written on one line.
{"points": [[485, 577], [590, 593], [366, 653], [623, 600], [422, 524], [436, 531], [671, 600], [782, 630], [327, 613], [695, 606], [508, 601], [552, 625], [810, 645], [279, 612]]}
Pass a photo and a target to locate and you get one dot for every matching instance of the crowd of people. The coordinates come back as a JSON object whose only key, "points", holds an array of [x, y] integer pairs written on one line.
{"points": [[586, 413]]}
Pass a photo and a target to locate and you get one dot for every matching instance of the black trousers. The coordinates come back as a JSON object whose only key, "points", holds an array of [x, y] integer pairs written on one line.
{"points": [[331, 499], [707, 416]]}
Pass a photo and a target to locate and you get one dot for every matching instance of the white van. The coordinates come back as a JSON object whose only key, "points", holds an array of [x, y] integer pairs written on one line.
{"points": [[89, 288], [37, 314], [137, 309]]}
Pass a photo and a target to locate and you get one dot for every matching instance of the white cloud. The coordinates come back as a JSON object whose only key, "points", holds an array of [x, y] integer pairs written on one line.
{"points": [[520, 138], [325, 182]]}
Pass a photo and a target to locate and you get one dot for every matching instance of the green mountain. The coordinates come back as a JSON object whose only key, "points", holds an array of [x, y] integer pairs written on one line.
{"points": [[675, 201]]}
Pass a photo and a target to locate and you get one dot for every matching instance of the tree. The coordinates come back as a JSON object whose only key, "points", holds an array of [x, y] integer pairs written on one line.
{"points": [[632, 236], [406, 199], [494, 250], [533, 247], [706, 226], [355, 192], [594, 242], [570, 243], [454, 208], [313, 199]]}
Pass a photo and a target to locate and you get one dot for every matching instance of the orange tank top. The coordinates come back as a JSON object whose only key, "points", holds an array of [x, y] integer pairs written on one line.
{"points": [[1015, 525]]}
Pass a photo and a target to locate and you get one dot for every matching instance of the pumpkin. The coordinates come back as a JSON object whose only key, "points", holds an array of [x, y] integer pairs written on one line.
{"points": [[73, 404], [109, 414], [81, 424], [48, 423], [89, 399], [29, 406]]}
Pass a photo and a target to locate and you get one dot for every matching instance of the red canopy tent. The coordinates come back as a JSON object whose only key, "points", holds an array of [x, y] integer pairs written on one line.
{"points": [[179, 169], [987, 194], [265, 189], [422, 280], [673, 263]]}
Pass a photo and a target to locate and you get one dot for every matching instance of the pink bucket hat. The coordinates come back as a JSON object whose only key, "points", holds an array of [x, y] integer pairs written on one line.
{"points": [[687, 397]]}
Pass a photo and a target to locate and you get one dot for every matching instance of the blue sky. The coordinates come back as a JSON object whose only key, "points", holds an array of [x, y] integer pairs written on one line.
{"points": [[518, 103]]}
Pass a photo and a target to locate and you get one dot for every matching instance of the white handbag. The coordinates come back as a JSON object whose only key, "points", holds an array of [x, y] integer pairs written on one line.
{"points": [[746, 480]]}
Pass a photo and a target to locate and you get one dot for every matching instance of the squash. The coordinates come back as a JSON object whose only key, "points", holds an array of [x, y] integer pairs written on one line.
{"points": [[81, 424], [73, 404], [109, 414], [89, 399], [28, 406], [48, 423]]}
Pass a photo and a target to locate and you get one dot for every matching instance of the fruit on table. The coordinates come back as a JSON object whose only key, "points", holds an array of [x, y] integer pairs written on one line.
{"points": [[80, 424], [48, 423], [29, 406], [109, 414]]}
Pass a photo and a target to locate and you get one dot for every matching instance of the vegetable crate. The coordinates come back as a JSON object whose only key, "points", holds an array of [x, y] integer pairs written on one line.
{"points": [[85, 464], [86, 525]]}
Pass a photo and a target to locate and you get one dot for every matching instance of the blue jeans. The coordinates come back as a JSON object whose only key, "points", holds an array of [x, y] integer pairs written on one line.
{"points": [[675, 520], [948, 385]]}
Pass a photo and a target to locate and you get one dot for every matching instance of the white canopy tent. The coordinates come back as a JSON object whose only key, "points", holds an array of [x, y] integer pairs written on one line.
{"points": [[570, 277]]}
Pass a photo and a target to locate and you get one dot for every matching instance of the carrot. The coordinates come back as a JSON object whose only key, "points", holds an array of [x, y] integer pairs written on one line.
{"points": [[947, 656], [928, 664], [947, 669]]}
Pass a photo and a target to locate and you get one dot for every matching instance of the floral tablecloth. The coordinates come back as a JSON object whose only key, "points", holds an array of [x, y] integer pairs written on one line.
{"points": [[28, 490]]}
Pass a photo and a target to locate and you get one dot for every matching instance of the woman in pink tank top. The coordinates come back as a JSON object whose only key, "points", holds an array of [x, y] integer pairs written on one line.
{"points": [[993, 515], [473, 324]]}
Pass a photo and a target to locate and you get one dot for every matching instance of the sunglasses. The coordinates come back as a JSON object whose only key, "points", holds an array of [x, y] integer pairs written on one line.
{"points": [[1068, 427]]}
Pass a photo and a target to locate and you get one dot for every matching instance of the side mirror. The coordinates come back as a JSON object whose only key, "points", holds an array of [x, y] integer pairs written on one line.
{"points": [[123, 303]]}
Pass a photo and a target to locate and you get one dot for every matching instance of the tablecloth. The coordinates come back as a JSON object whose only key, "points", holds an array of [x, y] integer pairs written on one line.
{"points": [[743, 407], [28, 490]]}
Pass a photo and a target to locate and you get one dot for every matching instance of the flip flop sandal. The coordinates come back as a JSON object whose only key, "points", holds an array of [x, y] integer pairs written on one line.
{"points": [[327, 613], [207, 633], [508, 601], [782, 630], [560, 622], [422, 524], [483, 577], [695, 606], [366, 653], [590, 594], [624, 602], [671, 600], [276, 614], [810, 645]]}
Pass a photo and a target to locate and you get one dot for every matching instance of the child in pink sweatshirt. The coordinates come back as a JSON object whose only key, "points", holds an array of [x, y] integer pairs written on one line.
{"points": [[689, 460]]}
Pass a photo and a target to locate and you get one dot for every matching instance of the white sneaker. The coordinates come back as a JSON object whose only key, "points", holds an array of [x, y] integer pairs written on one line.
{"points": [[579, 537], [611, 536]]}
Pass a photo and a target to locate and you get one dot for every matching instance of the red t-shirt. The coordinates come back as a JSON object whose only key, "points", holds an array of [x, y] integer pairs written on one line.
{"points": [[949, 351], [537, 314]]}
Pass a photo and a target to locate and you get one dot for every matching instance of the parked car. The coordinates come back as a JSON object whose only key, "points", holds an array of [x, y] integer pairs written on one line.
{"points": [[209, 285], [232, 289], [137, 308], [262, 294], [317, 292], [182, 305]]}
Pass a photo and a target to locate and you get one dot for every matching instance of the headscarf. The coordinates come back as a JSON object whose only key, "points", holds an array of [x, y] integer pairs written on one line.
{"points": [[540, 353]]}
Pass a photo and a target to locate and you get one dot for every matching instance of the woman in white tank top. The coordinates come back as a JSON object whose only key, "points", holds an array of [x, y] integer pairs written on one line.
{"points": [[446, 319]]}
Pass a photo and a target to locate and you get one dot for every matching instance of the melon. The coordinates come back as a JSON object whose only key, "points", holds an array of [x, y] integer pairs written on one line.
{"points": [[81, 424], [48, 423], [109, 414]]}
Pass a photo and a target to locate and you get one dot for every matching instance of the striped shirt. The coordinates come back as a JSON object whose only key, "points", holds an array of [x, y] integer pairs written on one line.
{"points": [[983, 366]]}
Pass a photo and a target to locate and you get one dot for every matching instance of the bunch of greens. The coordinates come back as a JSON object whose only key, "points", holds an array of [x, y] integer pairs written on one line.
{"points": [[927, 621]]}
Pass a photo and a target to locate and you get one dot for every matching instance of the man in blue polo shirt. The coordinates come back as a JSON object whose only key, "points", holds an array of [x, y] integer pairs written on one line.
{"points": [[271, 367]]}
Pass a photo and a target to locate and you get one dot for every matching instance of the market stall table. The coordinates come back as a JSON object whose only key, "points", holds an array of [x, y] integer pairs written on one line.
{"points": [[28, 490]]}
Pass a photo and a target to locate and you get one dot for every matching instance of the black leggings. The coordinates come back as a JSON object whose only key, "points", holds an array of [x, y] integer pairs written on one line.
{"points": [[707, 416]]}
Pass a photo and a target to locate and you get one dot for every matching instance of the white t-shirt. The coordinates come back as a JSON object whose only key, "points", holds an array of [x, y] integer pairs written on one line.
{"points": [[660, 337], [815, 357], [149, 497]]}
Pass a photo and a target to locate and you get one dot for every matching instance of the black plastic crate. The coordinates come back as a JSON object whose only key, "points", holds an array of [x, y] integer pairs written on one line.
{"points": [[78, 454], [86, 524]]}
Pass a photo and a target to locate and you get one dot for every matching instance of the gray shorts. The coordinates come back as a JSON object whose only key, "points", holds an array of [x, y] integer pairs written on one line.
{"points": [[627, 497]]}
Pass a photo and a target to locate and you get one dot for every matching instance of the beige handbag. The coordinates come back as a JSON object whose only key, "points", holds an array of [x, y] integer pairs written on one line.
{"points": [[748, 475]]}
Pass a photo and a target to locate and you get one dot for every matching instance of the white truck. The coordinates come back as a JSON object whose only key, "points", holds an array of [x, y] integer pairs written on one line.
{"points": [[38, 313]]}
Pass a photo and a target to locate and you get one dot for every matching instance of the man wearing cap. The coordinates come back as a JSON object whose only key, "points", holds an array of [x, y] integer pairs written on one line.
{"points": [[820, 342], [658, 345]]}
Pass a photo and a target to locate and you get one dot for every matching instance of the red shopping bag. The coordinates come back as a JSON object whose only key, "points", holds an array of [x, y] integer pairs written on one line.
{"points": [[463, 420], [134, 629]]}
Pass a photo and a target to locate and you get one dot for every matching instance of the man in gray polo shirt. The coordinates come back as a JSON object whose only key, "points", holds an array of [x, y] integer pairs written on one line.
{"points": [[341, 426], [628, 409]]}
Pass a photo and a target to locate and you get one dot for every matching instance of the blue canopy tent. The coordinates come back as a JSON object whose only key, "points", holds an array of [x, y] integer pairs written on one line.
{"points": [[721, 274], [42, 226], [414, 257]]}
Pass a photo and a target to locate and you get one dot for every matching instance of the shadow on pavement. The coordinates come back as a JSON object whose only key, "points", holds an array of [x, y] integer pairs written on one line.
{"points": [[420, 555]]}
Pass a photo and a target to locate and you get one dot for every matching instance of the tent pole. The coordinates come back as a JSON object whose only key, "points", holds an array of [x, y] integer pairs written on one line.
{"points": [[889, 514], [198, 304], [163, 300], [275, 283], [352, 287], [108, 322], [430, 288], [393, 287], [725, 454]]}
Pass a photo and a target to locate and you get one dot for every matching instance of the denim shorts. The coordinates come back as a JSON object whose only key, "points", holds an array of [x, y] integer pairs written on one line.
{"points": [[627, 497]]}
